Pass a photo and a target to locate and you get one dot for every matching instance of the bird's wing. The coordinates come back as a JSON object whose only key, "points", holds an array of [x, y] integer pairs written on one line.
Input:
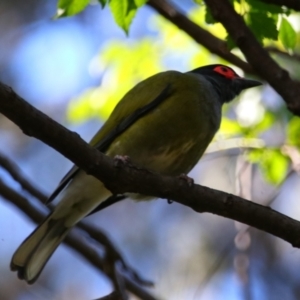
{"points": [[106, 135]]}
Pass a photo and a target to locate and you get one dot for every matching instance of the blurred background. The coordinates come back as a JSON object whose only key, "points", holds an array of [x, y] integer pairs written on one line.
{"points": [[75, 70]]}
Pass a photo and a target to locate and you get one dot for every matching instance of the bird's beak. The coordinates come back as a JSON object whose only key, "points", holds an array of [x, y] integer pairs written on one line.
{"points": [[244, 83]]}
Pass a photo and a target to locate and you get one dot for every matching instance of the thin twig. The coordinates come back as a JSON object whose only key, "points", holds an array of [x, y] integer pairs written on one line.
{"points": [[275, 50], [255, 54], [74, 240], [198, 34], [18, 176]]}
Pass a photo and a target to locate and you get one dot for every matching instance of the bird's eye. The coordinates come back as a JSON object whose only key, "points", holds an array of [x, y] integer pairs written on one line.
{"points": [[225, 72]]}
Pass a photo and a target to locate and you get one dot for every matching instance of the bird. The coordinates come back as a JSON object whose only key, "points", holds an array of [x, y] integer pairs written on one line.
{"points": [[164, 124]]}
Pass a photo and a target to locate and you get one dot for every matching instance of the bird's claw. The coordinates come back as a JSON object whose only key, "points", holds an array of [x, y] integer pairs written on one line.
{"points": [[121, 160], [187, 179]]}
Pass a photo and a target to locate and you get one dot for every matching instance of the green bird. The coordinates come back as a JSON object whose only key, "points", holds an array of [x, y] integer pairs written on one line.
{"points": [[164, 124]]}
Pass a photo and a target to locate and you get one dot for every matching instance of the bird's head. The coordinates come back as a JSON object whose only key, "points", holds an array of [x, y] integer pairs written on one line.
{"points": [[226, 82]]}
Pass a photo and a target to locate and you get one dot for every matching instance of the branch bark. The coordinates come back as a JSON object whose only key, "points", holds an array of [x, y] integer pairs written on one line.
{"points": [[77, 242], [201, 36], [128, 178], [257, 56]]}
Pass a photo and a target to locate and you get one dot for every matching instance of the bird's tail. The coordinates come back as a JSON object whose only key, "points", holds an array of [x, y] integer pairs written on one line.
{"points": [[32, 255], [81, 197]]}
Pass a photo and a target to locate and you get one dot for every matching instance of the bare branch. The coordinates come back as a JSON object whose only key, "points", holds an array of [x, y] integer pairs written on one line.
{"points": [[113, 296], [128, 178], [201, 36], [113, 254], [275, 50], [18, 176], [74, 240], [257, 56]]}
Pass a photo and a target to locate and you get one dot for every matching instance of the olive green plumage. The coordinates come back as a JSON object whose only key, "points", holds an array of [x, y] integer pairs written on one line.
{"points": [[167, 142], [169, 138]]}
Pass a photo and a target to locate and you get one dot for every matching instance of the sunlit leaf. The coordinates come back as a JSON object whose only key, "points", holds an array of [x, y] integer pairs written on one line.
{"points": [[124, 11], [287, 34], [272, 162], [230, 127], [71, 7], [138, 61], [293, 132], [265, 124]]}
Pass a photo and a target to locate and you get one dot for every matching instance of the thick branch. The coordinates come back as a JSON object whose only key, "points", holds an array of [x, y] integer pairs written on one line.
{"points": [[258, 57], [201, 36], [293, 4], [127, 178]]}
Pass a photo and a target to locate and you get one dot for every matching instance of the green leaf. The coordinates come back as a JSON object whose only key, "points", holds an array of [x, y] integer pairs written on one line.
{"points": [[124, 11], [230, 127], [68, 8], [200, 2], [259, 6], [263, 25], [209, 19], [287, 34], [140, 3], [272, 162], [293, 130], [265, 124]]}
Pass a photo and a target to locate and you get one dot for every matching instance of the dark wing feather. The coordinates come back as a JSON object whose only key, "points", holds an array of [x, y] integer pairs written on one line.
{"points": [[104, 144]]}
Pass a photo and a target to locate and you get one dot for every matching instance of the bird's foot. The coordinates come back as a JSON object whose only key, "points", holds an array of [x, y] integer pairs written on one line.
{"points": [[121, 160], [187, 179]]}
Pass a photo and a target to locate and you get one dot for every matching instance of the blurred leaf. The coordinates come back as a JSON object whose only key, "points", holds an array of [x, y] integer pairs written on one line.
{"points": [[260, 6], [262, 25], [138, 61], [124, 11], [198, 16], [293, 132], [103, 3], [265, 124], [230, 127], [209, 19], [272, 162], [140, 3], [287, 34], [71, 7]]}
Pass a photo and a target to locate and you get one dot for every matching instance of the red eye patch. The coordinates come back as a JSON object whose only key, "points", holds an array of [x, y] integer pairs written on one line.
{"points": [[226, 72]]}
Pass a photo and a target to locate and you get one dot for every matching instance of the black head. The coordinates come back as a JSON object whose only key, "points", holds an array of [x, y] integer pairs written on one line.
{"points": [[225, 81]]}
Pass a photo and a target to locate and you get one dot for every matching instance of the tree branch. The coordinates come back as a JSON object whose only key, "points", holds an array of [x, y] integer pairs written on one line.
{"points": [[75, 240], [17, 175], [201, 36], [257, 56], [293, 4], [128, 178], [275, 50]]}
